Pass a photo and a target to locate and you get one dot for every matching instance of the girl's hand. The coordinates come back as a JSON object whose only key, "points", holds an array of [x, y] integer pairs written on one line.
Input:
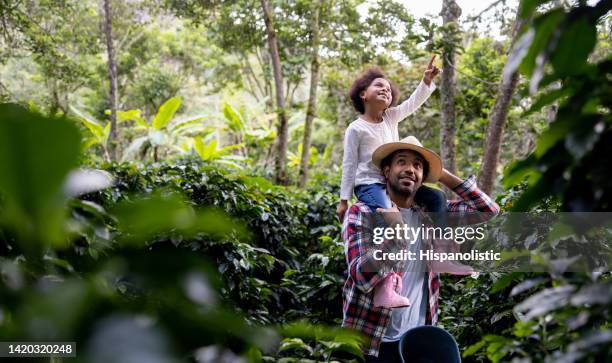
{"points": [[341, 209], [431, 71]]}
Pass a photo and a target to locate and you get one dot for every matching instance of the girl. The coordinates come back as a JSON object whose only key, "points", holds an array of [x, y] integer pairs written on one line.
{"points": [[372, 95]]}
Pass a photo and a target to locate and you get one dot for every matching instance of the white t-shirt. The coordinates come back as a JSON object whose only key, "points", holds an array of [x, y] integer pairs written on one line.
{"points": [[362, 138]]}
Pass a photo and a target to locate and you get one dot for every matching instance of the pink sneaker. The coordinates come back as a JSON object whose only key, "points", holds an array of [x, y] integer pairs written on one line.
{"points": [[386, 293]]}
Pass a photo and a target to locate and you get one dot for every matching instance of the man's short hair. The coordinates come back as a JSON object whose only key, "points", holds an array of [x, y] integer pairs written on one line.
{"points": [[363, 82], [387, 162]]}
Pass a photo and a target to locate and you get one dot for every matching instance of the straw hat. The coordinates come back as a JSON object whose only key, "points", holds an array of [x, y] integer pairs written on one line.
{"points": [[411, 143]]}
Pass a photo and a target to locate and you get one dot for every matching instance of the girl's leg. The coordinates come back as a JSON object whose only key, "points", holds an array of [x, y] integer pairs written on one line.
{"points": [[434, 202], [374, 195]]}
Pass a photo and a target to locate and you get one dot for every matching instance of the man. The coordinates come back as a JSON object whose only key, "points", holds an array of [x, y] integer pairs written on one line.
{"points": [[404, 164]]}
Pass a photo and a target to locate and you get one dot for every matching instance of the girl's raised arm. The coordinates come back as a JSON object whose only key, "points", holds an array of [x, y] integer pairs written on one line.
{"points": [[418, 97]]}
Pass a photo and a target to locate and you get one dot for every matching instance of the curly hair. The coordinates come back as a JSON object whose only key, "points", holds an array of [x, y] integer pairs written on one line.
{"points": [[363, 82]]}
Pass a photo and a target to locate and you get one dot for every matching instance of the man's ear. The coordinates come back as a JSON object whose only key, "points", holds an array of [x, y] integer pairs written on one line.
{"points": [[386, 171], [362, 94]]}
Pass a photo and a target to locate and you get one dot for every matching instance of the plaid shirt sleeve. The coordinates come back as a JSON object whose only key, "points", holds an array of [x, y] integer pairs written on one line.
{"points": [[472, 199], [357, 233]]}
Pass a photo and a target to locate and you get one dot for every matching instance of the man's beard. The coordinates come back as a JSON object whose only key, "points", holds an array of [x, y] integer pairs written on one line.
{"points": [[396, 187]]}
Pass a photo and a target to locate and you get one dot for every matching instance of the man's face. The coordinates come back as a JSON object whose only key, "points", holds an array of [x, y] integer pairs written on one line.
{"points": [[405, 174]]}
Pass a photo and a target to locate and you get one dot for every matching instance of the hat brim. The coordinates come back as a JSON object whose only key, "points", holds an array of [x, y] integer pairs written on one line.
{"points": [[434, 161]]}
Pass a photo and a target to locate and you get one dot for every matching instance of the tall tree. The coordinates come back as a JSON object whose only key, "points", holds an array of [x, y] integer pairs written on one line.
{"points": [[312, 95], [450, 15], [44, 32], [112, 73], [280, 173], [495, 133]]}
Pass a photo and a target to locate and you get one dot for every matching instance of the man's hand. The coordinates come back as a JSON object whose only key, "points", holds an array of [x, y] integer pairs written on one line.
{"points": [[341, 209], [449, 180], [392, 216], [431, 71]]}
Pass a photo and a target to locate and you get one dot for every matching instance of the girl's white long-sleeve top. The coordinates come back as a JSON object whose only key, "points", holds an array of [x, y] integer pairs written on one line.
{"points": [[362, 138]]}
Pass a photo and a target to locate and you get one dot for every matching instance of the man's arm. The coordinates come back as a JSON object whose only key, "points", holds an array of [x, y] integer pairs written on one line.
{"points": [[472, 198]]}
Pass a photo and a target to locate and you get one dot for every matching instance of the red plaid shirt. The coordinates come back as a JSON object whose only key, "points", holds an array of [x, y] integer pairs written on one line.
{"points": [[359, 312]]}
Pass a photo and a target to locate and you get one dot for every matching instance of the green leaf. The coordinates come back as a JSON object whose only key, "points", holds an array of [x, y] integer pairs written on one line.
{"points": [[228, 148], [557, 131], [573, 47], [166, 113], [253, 355], [59, 263], [205, 151], [294, 343], [518, 170], [504, 281], [544, 27], [523, 329], [36, 154], [132, 115], [234, 119], [164, 213], [539, 187], [178, 127], [547, 99], [92, 125], [89, 143], [474, 348], [498, 316]]}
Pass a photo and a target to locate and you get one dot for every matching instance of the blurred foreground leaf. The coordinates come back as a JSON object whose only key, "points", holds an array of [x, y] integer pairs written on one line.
{"points": [[36, 155]]}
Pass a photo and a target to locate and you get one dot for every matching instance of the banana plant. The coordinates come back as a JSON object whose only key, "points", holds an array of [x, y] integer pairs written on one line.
{"points": [[211, 152], [98, 133], [163, 131], [242, 131], [293, 159]]}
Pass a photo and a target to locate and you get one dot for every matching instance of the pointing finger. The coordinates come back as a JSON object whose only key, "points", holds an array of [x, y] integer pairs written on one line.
{"points": [[431, 61]]}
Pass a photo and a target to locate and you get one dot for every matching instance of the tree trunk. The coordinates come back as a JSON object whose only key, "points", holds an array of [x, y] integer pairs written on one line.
{"points": [[312, 97], [112, 72], [342, 118], [280, 173], [499, 114], [450, 16]]}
